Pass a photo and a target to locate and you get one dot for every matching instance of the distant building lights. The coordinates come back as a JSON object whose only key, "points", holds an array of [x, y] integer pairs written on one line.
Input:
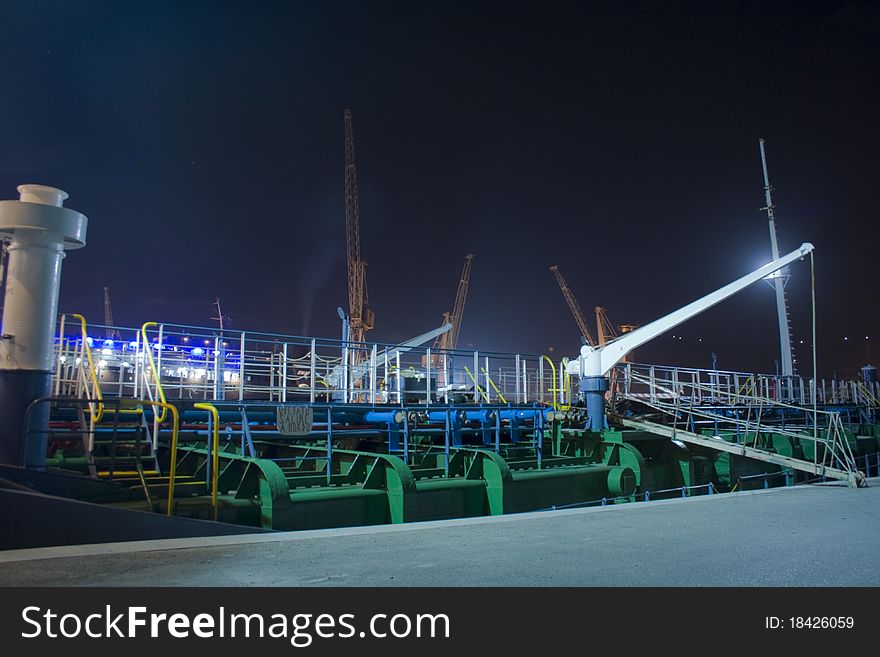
{"points": [[108, 343], [106, 352], [197, 351]]}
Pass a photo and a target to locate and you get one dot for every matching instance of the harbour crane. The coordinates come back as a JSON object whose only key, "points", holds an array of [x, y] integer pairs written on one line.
{"points": [[594, 362], [360, 318], [112, 331], [449, 339], [606, 331], [573, 306], [604, 328]]}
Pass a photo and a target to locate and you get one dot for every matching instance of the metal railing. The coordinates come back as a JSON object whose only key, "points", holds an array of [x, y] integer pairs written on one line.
{"points": [[169, 362], [746, 419], [732, 387], [214, 447]]}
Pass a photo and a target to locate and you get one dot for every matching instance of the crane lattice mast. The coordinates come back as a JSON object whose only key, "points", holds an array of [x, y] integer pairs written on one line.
{"points": [[573, 306], [112, 332], [449, 339], [359, 324], [604, 328]]}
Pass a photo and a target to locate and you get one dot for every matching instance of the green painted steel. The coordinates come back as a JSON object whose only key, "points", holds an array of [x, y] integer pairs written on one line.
{"points": [[298, 483]]}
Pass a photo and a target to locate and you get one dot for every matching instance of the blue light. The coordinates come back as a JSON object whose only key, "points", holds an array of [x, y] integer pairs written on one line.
{"points": [[157, 346], [197, 351], [108, 344]]}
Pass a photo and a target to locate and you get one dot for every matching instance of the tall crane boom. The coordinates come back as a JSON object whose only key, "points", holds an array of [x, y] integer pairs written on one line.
{"points": [[449, 339], [604, 328], [598, 361], [359, 324], [593, 363], [108, 316], [573, 306]]}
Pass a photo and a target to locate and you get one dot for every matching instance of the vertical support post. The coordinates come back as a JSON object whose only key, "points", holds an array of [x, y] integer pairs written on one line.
{"points": [[345, 360], [428, 375], [241, 369], [564, 394], [387, 379], [219, 353], [373, 379], [272, 379], [329, 442], [284, 373], [159, 361], [446, 445], [209, 452], [158, 383], [313, 361], [398, 378], [525, 377], [541, 380], [58, 357], [476, 375], [539, 434], [486, 385], [517, 386], [446, 378], [406, 438], [137, 365]]}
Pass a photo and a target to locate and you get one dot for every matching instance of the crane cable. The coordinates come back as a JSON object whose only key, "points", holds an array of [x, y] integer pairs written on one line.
{"points": [[815, 380]]}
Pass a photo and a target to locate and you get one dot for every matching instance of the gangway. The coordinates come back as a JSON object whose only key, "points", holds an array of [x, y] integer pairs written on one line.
{"points": [[745, 426]]}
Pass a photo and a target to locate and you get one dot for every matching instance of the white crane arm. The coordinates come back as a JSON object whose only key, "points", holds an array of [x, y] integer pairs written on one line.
{"points": [[597, 361]]}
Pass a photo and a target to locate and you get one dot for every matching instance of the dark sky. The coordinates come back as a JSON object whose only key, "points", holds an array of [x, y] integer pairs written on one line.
{"points": [[204, 141]]}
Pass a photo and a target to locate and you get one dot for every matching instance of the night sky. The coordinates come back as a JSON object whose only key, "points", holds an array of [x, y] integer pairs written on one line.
{"points": [[204, 141]]}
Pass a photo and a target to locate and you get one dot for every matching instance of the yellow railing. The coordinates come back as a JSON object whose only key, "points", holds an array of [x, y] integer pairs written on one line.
{"points": [[566, 386], [97, 409], [215, 452], [479, 389], [553, 388], [492, 383], [172, 466], [163, 403], [175, 428]]}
